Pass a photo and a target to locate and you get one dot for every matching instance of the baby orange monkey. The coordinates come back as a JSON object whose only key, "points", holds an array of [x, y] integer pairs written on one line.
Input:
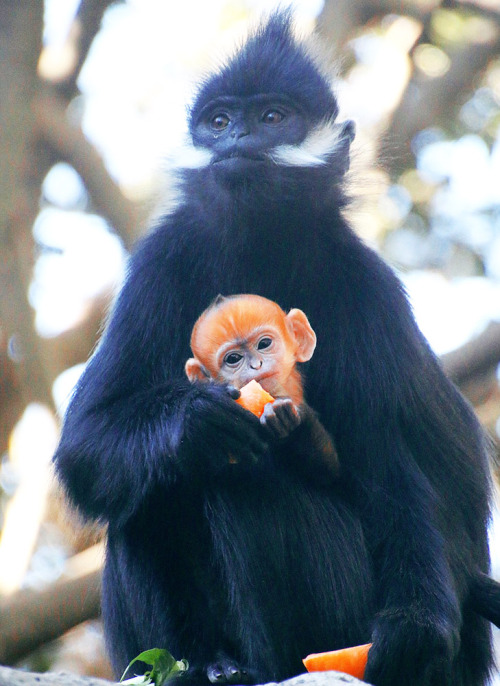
{"points": [[241, 338]]}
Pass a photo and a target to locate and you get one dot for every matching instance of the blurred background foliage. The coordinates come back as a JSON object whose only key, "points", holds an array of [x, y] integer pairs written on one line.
{"points": [[93, 101]]}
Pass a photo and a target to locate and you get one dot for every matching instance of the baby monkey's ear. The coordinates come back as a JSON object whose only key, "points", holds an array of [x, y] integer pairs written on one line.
{"points": [[195, 371], [303, 333]]}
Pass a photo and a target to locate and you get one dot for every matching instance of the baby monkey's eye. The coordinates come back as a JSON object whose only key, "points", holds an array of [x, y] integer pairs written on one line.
{"points": [[219, 121], [232, 359], [264, 343]]}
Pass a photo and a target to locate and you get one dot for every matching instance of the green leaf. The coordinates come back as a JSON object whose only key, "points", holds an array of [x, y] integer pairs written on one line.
{"points": [[164, 666]]}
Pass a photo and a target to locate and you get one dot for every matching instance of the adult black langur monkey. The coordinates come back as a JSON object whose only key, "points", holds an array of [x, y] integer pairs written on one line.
{"points": [[244, 569]]}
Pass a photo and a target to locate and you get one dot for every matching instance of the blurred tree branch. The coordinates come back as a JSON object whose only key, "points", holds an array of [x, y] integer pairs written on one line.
{"points": [[65, 139], [481, 354], [473, 366], [29, 619], [74, 345], [487, 7], [20, 43], [427, 100], [81, 34], [11, 400], [36, 133], [338, 20], [70, 145]]}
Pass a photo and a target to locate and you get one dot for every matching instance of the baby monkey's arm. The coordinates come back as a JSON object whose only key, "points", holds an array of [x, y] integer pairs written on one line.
{"points": [[300, 433]]}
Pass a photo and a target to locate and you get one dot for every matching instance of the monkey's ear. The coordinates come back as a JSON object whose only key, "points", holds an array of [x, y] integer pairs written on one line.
{"points": [[303, 333], [195, 371]]}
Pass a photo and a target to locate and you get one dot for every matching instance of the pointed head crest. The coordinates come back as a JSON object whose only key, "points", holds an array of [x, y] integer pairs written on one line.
{"points": [[272, 61]]}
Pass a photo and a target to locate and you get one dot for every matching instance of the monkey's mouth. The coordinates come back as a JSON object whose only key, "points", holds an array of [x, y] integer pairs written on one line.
{"points": [[266, 381], [262, 379], [241, 157]]}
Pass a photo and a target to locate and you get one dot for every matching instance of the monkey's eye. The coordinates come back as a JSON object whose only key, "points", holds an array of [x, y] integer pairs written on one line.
{"points": [[219, 121], [272, 117], [232, 359], [264, 343]]}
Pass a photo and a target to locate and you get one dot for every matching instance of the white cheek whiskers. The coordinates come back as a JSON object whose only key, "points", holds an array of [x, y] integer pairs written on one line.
{"points": [[188, 156], [314, 150]]}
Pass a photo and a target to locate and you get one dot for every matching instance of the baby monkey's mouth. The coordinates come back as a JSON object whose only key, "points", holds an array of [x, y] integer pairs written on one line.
{"points": [[265, 380], [268, 382]]}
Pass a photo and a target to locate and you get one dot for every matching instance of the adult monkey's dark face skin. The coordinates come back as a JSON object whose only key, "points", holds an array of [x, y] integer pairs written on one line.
{"points": [[238, 129], [262, 128]]}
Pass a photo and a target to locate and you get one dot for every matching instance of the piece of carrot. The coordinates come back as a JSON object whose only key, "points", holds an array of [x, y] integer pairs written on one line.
{"points": [[349, 660], [254, 398]]}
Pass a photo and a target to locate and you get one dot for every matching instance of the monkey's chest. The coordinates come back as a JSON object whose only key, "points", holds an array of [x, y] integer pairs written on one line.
{"points": [[277, 529]]}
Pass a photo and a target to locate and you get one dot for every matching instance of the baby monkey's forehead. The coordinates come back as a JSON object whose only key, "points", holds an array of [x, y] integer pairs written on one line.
{"points": [[244, 339]]}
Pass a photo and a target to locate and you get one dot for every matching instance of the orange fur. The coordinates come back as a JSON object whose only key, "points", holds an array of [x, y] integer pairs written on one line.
{"points": [[234, 318]]}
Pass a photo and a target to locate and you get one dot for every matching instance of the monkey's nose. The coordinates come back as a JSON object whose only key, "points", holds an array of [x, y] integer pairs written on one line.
{"points": [[256, 364], [239, 132]]}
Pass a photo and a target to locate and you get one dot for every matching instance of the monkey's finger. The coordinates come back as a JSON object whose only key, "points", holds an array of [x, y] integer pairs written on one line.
{"points": [[233, 392], [281, 418], [273, 422], [291, 416]]}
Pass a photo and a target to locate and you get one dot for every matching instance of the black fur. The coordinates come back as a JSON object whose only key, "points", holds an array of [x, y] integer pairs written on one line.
{"points": [[270, 63], [485, 598], [247, 568]]}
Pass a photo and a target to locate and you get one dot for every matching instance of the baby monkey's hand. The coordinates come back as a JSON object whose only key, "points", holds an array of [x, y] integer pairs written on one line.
{"points": [[280, 418]]}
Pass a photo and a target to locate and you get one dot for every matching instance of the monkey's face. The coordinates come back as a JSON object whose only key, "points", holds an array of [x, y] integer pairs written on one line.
{"points": [[239, 131], [247, 337], [262, 354]]}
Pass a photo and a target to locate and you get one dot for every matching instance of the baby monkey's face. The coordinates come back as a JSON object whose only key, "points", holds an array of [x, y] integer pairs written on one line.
{"points": [[243, 338], [261, 355]]}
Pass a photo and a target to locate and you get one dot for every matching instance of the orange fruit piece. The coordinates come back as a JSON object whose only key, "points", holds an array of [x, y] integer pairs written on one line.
{"points": [[349, 660], [254, 398]]}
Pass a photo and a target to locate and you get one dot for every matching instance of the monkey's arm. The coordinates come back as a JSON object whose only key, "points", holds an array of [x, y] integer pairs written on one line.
{"points": [[302, 436], [135, 425]]}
